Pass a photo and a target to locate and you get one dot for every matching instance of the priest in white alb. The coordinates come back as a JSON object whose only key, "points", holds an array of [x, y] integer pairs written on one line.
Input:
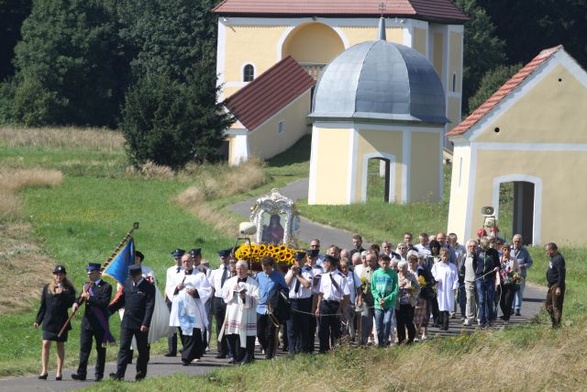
{"points": [[188, 311], [241, 294]]}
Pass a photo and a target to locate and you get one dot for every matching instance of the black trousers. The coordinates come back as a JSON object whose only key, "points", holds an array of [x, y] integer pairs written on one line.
{"points": [[241, 354], [405, 320], [125, 352], [506, 300], [193, 346], [298, 326], [267, 335], [171, 341], [329, 324], [219, 310], [86, 337]]}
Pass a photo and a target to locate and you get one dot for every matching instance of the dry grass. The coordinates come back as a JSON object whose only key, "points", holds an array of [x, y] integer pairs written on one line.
{"points": [[20, 257], [23, 267], [12, 181], [219, 181], [80, 139]]}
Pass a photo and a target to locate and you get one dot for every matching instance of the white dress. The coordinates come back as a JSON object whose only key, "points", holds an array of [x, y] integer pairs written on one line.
{"points": [[448, 278]]}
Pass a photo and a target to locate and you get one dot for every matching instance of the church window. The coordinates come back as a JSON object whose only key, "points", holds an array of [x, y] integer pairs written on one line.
{"points": [[248, 73]]}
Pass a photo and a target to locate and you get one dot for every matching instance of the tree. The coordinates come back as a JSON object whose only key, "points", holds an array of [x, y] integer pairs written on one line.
{"points": [[12, 14], [65, 65], [170, 123], [482, 49], [491, 82], [171, 114], [531, 26]]}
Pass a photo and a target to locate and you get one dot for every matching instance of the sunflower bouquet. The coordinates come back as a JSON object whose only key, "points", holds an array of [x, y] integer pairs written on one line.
{"points": [[253, 253]]}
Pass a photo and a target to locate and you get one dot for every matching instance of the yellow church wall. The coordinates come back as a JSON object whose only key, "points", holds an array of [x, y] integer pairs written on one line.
{"points": [[453, 111], [333, 158], [438, 53], [459, 193], [371, 141], [547, 113], [561, 199], [250, 44], [424, 173], [455, 65], [313, 43], [356, 35], [419, 41], [266, 141]]}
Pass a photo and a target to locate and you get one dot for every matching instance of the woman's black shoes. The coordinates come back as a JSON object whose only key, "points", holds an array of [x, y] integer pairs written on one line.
{"points": [[43, 376]]}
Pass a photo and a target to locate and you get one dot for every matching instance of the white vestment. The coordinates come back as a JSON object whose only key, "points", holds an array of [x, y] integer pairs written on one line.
{"points": [[188, 312], [241, 316], [448, 278]]}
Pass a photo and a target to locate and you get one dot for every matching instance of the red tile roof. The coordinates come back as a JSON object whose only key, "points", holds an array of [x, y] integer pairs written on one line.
{"points": [[432, 10], [504, 91], [269, 93]]}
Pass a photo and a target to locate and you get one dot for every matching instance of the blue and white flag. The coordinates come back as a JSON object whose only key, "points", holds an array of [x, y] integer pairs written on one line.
{"points": [[118, 268]]}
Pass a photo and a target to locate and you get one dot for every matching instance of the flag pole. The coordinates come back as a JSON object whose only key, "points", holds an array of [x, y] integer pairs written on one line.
{"points": [[135, 226]]}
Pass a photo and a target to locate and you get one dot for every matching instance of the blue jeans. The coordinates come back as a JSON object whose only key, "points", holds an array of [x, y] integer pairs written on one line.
{"points": [[519, 295], [486, 296], [383, 325]]}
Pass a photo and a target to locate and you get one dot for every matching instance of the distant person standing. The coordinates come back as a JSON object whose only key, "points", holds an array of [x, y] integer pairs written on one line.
{"points": [[555, 276], [384, 287], [56, 298], [520, 253], [172, 274], [357, 245], [138, 301], [96, 294]]}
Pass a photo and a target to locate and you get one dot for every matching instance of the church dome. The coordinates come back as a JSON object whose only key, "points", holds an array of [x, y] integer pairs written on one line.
{"points": [[380, 80]]}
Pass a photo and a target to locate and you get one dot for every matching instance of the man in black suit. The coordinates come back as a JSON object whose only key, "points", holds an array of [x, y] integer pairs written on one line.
{"points": [[96, 294], [138, 301]]}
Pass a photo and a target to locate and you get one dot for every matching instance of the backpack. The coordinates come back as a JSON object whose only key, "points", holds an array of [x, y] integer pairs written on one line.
{"points": [[280, 306]]}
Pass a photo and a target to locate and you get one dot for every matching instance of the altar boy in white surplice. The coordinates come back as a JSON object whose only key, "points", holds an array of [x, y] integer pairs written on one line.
{"points": [[241, 294], [188, 312]]}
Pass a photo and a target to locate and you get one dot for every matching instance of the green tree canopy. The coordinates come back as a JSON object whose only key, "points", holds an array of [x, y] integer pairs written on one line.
{"points": [[491, 82], [65, 64], [483, 50], [171, 114]]}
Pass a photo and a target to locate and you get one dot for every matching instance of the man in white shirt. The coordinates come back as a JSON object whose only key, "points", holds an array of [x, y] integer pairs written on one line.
{"points": [[299, 279], [217, 279], [169, 289], [332, 300]]}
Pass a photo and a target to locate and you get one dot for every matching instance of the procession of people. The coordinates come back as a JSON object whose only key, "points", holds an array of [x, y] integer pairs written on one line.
{"points": [[368, 297]]}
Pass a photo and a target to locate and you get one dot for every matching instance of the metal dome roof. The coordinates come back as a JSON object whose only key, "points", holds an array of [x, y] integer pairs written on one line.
{"points": [[380, 80]]}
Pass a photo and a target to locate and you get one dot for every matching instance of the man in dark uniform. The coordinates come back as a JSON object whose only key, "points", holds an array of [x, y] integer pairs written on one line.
{"points": [[555, 276], [138, 301], [96, 294]]}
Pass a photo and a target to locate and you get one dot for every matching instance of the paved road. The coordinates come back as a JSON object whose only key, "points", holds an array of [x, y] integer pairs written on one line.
{"points": [[160, 365]]}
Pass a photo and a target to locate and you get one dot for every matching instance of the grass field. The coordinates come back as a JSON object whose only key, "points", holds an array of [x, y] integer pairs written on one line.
{"points": [[85, 199]]}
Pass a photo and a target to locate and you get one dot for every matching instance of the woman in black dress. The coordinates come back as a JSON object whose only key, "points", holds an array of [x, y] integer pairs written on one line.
{"points": [[57, 297]]}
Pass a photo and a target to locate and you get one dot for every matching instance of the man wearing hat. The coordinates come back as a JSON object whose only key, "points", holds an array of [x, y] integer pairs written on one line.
{"points": [[138, 301], [217, 279], [172, 274], [299, 279], [332, 299], [96, 294]]}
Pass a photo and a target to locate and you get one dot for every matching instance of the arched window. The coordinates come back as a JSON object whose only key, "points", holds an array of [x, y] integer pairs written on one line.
{"points": [[248, 73]]}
